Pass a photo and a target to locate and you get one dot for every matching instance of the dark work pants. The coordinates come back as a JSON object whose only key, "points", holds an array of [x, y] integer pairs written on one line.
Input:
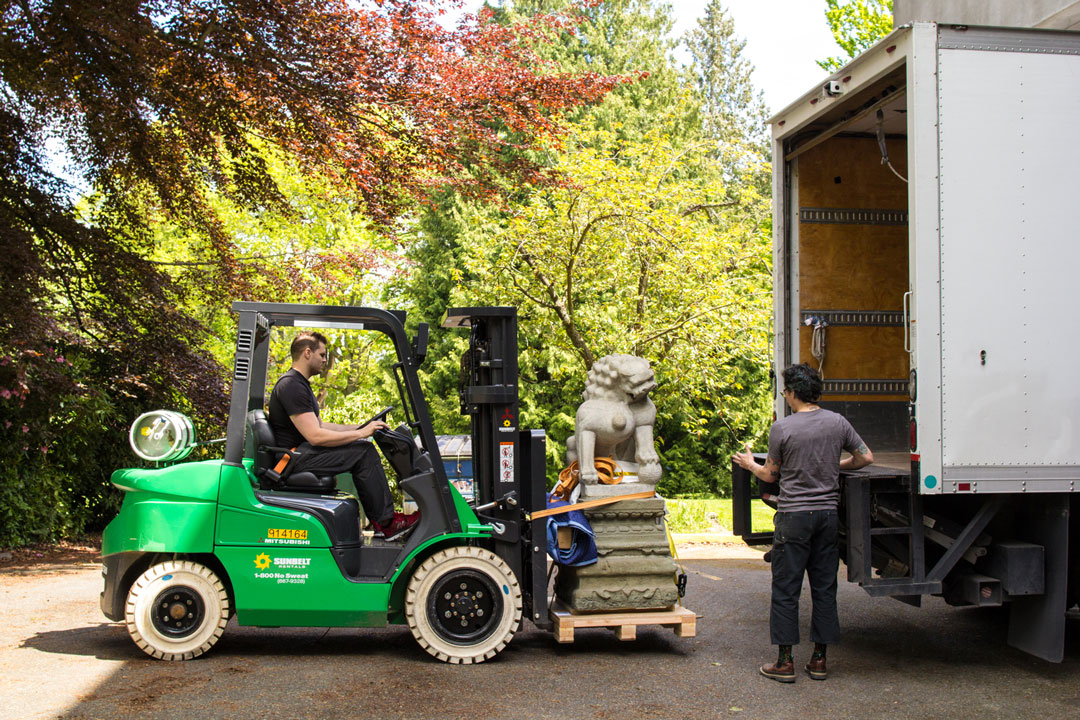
{"points": [[804, 542], [359, 458]]}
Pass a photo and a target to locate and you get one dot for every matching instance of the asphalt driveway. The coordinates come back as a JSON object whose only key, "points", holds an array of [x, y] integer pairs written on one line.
{"points": [[59, 657]]}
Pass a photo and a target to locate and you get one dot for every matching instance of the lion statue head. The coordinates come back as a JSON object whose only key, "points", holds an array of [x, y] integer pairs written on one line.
{"points": [[619, 377]]}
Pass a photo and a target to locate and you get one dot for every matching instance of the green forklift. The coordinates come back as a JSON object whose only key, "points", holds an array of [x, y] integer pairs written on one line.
{"points": [[197, 542]]}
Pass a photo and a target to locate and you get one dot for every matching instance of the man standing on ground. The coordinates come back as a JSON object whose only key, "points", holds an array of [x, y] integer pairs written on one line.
{"points": [[328, 448], [804, 457]]}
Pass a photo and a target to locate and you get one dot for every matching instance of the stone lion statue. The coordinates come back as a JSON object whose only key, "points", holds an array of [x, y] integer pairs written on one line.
{"points": [[616, 420]]}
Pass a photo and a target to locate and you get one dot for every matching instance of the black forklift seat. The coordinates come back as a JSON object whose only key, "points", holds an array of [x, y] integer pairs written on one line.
{"points": [[266, 458]]}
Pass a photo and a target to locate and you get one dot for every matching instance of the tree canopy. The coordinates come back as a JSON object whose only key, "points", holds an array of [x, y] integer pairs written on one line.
{"points": [[656, 245], [627, 38], [856, 25], [643, 254], [649, 252], [349, 151], [171, 112]]}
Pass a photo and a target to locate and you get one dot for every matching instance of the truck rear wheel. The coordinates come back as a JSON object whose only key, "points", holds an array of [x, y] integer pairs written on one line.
{"points": [[463, 604], [176, 610]]}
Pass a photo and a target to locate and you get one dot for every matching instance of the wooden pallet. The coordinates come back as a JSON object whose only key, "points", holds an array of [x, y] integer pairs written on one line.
{"points": [[624, 623]]}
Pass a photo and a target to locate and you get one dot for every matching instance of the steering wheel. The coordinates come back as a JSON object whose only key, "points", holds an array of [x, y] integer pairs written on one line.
{"points": [[381, 415]]}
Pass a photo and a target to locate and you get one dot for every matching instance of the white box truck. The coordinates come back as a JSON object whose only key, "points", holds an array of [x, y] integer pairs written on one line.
{"points": [[925, 260]]}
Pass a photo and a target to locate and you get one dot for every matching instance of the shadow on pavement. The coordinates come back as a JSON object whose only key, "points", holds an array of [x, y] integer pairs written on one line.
{"points": [[106, 641], [922, 639]]}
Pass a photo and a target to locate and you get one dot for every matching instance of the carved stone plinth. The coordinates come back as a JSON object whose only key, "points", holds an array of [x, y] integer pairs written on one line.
{"points": [[635, 570]]}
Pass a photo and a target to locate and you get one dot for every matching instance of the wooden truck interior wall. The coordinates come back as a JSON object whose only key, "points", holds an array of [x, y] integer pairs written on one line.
{"points": [[853, 272]]}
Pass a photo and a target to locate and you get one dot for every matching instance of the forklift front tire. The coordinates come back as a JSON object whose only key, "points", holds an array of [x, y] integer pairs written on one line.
{"points": [[176, 610], [463, 605]]}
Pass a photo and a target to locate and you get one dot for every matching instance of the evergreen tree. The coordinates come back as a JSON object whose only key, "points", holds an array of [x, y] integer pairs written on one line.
{"points": [[733, 111], [631, 38]]}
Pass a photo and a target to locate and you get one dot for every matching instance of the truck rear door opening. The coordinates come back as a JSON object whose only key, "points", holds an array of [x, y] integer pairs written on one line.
{"points": [[924, 260]]}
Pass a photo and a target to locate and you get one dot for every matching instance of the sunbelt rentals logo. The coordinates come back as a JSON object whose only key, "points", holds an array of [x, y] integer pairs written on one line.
{"points": [[285, 571]]}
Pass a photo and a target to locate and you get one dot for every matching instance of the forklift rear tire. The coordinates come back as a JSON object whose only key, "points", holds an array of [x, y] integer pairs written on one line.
{"points": [[463, 605], [176, 610]]}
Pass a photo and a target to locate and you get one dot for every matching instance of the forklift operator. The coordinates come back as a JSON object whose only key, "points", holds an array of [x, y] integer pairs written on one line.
{"points": [[328, 448]]}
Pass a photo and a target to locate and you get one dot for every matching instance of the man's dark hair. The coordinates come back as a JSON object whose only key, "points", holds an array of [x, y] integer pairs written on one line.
{"points": [[306, 339], [804, 381]]}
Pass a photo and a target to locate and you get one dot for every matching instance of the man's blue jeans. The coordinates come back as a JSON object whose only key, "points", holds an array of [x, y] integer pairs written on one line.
{"points": [[804, 541]]}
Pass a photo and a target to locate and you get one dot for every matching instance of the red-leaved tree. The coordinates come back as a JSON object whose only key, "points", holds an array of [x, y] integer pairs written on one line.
{"points": [[161, 103]]}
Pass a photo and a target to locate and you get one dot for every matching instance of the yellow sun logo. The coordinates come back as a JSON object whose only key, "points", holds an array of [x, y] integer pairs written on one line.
{"points": [[262, 561]]}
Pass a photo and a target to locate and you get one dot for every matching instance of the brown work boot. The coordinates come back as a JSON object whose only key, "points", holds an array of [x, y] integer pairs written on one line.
{"points": [[816, 668], [780, 671]]}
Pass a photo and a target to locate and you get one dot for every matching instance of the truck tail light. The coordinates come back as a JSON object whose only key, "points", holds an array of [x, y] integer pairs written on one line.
{"points": [[914, 435]]}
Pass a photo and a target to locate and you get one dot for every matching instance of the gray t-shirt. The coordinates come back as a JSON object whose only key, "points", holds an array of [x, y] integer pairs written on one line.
{"points": [[807, 445]]}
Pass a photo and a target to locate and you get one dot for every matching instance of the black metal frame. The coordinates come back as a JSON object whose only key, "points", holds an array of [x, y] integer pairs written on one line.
{"points": [[743, 490], [859, 488], [250, 367], [508, 463], [1040, 521]]}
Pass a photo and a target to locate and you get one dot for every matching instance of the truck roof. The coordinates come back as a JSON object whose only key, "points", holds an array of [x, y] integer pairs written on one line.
{"points": [[805, 100]]}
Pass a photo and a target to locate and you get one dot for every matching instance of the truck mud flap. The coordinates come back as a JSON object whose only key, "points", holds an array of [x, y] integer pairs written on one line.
{"points": [[1037, 623]]}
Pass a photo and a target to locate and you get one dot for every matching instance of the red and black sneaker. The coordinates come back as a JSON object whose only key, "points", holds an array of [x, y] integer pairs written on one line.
{"points": [[397, 527]]}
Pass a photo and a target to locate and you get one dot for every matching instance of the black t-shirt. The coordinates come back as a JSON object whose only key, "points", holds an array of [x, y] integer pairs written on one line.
{"points": [[291, 395]]}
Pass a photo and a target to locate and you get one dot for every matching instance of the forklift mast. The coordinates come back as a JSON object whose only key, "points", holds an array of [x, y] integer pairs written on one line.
{"points": [[508, 463]]}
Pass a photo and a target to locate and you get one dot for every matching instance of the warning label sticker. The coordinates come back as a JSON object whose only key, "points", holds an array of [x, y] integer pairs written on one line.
{"points": [[506, 462]]}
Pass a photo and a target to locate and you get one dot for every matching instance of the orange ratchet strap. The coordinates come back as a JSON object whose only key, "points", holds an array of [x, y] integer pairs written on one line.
{"points": [[643, 495], [569, 477]]}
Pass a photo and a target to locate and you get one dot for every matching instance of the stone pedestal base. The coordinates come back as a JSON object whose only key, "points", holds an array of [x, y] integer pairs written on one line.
{"points": [[635, 570]]}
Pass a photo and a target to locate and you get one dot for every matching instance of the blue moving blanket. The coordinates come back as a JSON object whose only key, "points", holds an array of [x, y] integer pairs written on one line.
{"points": [[582, 550]]}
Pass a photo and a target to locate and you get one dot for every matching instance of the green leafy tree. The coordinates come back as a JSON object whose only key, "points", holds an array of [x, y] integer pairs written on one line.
{"points": [[167, 106], [856, 25], [627, 38], [435, 247], [321, 249], [703, 413], [644, 253]]}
